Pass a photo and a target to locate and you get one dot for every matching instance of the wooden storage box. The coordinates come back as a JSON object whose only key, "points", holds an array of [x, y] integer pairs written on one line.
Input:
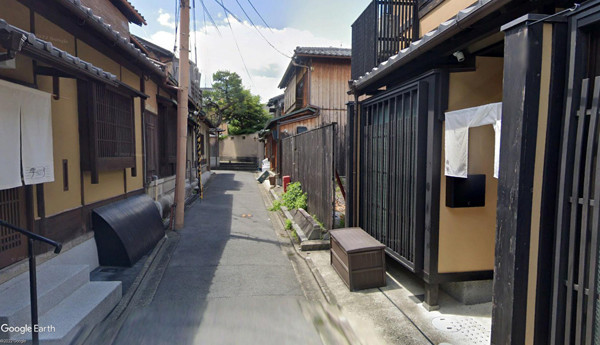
{"points": [[358, 258]]}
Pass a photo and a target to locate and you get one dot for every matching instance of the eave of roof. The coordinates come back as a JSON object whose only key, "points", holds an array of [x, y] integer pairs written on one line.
{"points": [[308, 109], [286, 75], [154, 47], [45, 52], [320, 52], [272, 100], [33, 45], [451, 27], [113, 36], [132, 14], [324, 51]]}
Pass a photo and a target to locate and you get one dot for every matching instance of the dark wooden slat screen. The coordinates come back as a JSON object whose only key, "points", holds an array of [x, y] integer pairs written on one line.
{"points": [[392, 202], [581, 219], [309, 158], [381, 31], [13, 246], [152, 148]]}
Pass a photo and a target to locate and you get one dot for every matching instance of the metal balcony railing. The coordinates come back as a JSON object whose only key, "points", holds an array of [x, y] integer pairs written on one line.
{"points": [[383, 29], [32, 272]]}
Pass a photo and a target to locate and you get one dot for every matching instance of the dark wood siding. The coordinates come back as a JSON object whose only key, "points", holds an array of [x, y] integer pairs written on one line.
{"points": [[308, 158]]}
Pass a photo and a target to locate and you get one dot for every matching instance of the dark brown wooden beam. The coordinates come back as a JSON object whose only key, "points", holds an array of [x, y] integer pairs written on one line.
{"points": [[520, 107]]}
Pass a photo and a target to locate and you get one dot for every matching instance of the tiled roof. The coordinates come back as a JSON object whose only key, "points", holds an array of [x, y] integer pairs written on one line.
{"points": [[428, 41], [109, 34], [308, 110], [275, 99], [330, 52], [155, 48], [324, 51], [130, 11], [33, 43]]}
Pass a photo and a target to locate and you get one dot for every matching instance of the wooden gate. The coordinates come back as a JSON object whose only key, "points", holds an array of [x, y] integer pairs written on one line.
{"points": [[13, 246], [394, 151]]}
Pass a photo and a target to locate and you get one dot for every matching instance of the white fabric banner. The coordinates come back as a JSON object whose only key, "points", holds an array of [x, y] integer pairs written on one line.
{"points": [[10, 136], [36, 139], [456, 143], [25, 136]]}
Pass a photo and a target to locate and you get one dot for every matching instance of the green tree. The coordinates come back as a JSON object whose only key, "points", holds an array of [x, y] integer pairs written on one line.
{"points": [[229, 101]]}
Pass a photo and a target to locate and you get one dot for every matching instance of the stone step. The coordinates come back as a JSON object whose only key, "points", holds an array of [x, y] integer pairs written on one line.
{"points": [[71, 321], [54, 284], [237, 166]]}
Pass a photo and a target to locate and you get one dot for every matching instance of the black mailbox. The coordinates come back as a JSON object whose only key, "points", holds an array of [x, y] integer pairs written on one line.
{"points": [[465, 192]]}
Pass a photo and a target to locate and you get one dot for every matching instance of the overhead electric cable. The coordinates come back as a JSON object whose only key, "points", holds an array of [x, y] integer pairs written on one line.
{"points": [[235, 40], [260, 33], [210, 17], [261, 17], [176, 25], [228, 11], [195, 32], [204, 21]]}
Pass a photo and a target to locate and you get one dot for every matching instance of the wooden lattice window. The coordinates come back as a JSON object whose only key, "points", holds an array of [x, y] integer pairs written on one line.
{"points": [[167, 122], [152, 145], [106, 128], [114, 123], [13, 246]]}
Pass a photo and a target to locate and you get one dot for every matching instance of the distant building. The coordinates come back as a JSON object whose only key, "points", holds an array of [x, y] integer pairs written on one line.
{"points": [[315, 83]]}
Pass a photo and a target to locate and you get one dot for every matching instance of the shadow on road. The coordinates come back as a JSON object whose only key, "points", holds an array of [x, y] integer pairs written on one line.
{"points": [[176, 312]]}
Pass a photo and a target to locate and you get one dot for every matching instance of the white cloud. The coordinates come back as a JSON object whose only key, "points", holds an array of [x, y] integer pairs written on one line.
{"points": [[266, 66], [165, 19]]}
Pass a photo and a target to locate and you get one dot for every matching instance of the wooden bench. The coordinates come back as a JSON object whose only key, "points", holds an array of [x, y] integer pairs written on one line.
{"points": [[358, 258]]}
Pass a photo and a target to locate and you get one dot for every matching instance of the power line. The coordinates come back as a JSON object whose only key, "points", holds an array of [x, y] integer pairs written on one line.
{"points": [[263, 20], [235, 40], [260, 33], [176, 25], [228, 11], [206, 11], [204, 21], [195, 32]]}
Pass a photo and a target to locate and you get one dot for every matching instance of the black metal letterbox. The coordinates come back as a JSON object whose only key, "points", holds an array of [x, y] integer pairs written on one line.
{"points": [[465, 192]]}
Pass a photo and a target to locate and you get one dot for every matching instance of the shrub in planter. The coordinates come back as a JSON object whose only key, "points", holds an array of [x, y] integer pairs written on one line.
{"points": [[294, 198]]}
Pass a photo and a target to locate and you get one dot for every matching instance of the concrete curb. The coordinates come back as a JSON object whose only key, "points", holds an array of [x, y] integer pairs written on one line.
{"points": [[305, 243]]}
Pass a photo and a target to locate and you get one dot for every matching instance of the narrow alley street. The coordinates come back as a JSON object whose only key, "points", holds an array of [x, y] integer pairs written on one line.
{"points": [[227, 280]]}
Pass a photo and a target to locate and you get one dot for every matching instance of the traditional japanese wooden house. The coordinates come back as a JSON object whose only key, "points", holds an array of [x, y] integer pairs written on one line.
{"points": [[472, 149], [315, 84], [75, 136], [276, 106], [160, 121]]}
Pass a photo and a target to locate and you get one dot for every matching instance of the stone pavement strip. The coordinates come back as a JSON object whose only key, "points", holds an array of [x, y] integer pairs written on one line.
{"points": [[226, 280]]}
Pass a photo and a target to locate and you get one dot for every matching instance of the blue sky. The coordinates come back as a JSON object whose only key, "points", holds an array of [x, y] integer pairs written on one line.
{"points": [[293, 23]]}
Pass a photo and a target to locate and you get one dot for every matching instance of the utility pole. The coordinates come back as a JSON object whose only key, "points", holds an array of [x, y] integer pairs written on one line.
{"points": [[182, 111]]}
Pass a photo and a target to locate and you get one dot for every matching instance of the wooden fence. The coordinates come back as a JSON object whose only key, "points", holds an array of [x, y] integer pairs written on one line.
{"points": [[309, 158]]}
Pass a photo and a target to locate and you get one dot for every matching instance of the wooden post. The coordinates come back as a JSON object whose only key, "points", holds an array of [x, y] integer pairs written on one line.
{"points": [[182, 112], [520, 108]]}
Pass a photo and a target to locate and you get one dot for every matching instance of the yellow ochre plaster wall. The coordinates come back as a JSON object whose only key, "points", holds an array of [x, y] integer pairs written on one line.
{"points": [[538, 179], [65, 134], [135, 182], [467, 235], [440, 14]]}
